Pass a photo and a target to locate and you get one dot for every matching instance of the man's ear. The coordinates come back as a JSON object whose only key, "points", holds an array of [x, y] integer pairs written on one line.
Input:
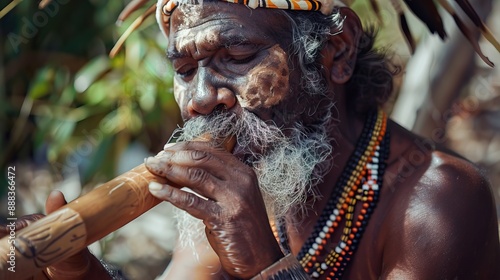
{"points": [[340, 52]]}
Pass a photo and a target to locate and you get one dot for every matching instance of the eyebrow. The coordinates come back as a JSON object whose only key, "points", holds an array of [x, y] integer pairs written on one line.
{"points": [[226, 42]]}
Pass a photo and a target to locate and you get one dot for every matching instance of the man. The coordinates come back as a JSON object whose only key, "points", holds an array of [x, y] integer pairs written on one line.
{"points": [[318, 170]]}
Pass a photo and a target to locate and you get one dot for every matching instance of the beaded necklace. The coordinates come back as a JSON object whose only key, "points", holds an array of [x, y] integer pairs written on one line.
{"points": [[359, 184]]}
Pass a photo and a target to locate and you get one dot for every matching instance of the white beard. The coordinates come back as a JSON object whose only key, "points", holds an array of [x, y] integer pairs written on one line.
{"points": [[287, 167]]}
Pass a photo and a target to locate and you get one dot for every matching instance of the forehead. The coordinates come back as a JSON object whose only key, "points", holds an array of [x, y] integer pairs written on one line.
{"points": [[215, 21]]}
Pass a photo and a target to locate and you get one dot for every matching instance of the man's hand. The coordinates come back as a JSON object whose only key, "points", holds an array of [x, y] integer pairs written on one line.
{"points": [[235, 217], [82, 265]]}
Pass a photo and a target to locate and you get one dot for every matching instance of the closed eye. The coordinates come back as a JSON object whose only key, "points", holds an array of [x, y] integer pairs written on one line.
{"points": [[186, 72], [243, 59]]}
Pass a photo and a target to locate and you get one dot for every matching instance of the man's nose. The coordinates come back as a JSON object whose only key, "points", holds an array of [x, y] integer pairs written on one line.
{"points": [[211, 92]]}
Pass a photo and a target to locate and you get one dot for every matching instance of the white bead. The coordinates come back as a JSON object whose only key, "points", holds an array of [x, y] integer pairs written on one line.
{"points": [[366, 187], [375, 187], [336, 212], [338, 250], [324, 266], [322, 234], [315, 274], [333, 217], [315, 246], [318, 240], [374, 176], [329, 223], [312, 252], [342, 244], [375, 160], [374, 171], [325, 229], [376, 154]]}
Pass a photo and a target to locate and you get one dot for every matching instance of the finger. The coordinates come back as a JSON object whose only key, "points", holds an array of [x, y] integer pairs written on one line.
{"points": [[20, 223], [213, 147], [184, 170], [189, 202], [54, 201]]}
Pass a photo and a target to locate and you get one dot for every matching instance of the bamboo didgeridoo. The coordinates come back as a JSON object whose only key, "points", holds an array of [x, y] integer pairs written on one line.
{"points": [[80, 223]]}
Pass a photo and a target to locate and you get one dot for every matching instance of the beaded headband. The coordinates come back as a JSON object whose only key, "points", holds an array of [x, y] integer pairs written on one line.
{"points": [[324, 6]]}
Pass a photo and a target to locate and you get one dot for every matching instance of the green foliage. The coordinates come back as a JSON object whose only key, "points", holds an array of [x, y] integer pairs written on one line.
{"points": [[64, 101]]}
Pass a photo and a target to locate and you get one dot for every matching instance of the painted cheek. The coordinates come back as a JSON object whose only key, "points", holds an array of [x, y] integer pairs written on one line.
{"points": [[267, 83]]}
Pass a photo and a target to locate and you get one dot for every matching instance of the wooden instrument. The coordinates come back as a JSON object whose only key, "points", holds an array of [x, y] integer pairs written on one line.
{"points": [[80, 223]]}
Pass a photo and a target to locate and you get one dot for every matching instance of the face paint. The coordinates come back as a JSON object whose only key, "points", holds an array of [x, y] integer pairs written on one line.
{"points": [[268, 82]]}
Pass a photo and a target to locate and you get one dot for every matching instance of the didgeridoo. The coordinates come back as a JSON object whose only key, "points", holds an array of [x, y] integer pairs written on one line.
{"points": [[80, 223]]}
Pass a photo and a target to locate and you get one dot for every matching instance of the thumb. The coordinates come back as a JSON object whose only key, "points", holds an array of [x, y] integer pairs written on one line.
{"points": [[55, 200]]}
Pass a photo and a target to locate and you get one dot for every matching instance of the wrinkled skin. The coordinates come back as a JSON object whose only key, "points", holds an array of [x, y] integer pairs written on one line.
{"points": [[435, 218]]}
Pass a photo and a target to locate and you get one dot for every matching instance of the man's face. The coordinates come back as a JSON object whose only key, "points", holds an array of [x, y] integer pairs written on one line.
{"points": [[229, 56]]}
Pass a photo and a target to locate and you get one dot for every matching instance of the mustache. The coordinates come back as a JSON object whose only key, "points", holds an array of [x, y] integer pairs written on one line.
{"points": [[255, 137]]}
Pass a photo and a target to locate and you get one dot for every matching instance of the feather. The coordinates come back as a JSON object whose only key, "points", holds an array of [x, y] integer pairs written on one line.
{"points": [[131, 7], [406, 31], [474, 17], [466, 31], [137, 22], [426, 11]]}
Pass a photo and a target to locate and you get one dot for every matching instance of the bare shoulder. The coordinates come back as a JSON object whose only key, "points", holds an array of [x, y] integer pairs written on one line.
{"points": [[442, 221]]}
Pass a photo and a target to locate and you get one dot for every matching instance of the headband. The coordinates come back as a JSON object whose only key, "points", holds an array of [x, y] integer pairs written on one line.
{"points": [[324, 6]]}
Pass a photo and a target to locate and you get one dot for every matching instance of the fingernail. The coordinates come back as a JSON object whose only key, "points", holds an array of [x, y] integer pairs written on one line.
{"points": [[155, 187], [152, 162], [168, 145]]}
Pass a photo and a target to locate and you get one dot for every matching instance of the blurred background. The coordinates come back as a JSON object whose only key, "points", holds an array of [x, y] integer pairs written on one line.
{"points": [[72, 118]]}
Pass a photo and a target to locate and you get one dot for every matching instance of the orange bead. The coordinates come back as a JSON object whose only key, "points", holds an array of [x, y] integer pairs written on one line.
{"points": [[363, 211], [358, 224], [361, 217]]}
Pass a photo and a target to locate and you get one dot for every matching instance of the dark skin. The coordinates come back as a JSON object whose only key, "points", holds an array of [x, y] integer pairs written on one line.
{"points": [[435, 218]]}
